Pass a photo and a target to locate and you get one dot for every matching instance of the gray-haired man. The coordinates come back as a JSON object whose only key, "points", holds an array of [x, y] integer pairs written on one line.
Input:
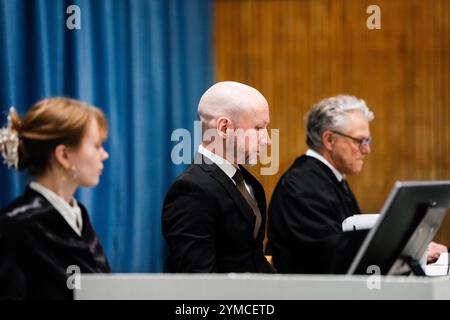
{"points": [[312, 198]]}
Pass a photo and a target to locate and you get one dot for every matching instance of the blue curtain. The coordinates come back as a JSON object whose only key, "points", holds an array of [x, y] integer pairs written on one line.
{"points": [[146, 64]]}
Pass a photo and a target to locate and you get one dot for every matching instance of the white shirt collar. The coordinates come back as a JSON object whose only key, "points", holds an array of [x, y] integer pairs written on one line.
{"points": [[222, 163], [72, 214], [318, 156]]}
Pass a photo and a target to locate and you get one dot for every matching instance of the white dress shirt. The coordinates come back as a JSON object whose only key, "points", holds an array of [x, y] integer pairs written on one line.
{"points": [[72, 214], [314, 154]]}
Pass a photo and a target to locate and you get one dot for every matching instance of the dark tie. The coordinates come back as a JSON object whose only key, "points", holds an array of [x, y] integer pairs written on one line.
{"points": [[345, 186], [350, 194], [239, 179]]}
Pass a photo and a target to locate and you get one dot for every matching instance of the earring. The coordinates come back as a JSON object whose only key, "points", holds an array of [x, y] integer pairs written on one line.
{"points": [[63, 176], [74, 172]]}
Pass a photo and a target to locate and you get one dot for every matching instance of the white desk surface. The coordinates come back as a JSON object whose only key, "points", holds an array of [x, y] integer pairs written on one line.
{"points": [[259, 287]]}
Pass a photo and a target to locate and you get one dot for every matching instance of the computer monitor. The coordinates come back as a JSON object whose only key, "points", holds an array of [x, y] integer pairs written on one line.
{"points": [[408, 221]]}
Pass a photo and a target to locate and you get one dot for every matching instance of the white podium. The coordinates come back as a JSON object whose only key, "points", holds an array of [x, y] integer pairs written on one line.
{"points": [[259, 287]]}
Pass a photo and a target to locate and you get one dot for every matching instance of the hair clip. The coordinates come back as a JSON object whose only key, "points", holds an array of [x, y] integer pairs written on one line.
{"points": [[9, 143]]}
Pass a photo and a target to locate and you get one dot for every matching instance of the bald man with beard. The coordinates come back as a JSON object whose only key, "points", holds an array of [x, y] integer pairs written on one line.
{"points": [[214, 214]]}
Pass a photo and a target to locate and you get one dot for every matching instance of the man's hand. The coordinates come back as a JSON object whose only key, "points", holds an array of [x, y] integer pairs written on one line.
{"points": [[434, 251]]}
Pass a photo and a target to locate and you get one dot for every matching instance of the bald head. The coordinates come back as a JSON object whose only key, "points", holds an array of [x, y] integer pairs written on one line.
{"points": [[229, 99], [234, 116]]}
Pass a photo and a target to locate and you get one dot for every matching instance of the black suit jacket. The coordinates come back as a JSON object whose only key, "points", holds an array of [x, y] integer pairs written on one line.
{"points": [[208, 225], [306, 213]]}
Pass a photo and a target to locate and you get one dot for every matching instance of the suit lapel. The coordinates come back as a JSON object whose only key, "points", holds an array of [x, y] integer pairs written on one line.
{"points": [[217, 174]]}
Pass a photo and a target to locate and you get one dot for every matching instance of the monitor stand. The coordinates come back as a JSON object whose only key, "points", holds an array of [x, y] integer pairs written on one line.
{"points": [[418, 242], [415, 266]]}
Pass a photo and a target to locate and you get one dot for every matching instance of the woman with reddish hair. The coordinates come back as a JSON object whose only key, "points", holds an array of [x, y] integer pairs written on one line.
{"points": [[45, 234]]}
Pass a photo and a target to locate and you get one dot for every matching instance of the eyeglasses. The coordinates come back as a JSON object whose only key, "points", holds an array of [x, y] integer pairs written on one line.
{"points": [[362, 143]]}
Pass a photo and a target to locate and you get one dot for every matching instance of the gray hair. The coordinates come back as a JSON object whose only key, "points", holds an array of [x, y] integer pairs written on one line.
{"points": [[332, 114]]}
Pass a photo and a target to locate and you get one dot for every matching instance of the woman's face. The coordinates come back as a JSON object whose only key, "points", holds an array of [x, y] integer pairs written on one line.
{"points": [[87, 159]]}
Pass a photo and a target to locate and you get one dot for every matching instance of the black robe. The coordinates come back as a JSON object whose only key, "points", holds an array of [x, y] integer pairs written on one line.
{"points": [[37, 246], [306, 213]]}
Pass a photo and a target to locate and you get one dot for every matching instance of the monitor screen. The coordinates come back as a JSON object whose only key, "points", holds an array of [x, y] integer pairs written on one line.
{"points": [[408, 221]]}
